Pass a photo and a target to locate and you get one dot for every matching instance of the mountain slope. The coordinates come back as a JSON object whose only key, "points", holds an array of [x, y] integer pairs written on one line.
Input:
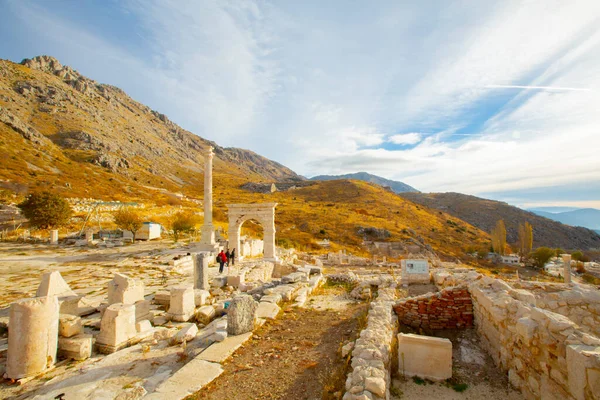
{"points": [[58, 127], [484, 214], [397, 187], [585, 217]]}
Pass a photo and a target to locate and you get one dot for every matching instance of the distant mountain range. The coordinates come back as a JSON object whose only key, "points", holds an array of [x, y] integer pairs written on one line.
{"points": [[484, 214], [396, 186], [586, 217]]}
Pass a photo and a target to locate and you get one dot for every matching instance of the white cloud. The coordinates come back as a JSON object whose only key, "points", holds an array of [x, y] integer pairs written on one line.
{"points": [[405, 138]]}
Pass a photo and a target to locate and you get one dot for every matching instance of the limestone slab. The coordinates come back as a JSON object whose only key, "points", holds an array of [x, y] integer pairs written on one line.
{"points": [[192, 377], [69, 325], [424, 356], [221, 351], [267, 310], [77, 347]]}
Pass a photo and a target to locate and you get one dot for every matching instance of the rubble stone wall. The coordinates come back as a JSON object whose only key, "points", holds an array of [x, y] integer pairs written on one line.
{"points": [[449, 309], [545, 354], [372, 354]]}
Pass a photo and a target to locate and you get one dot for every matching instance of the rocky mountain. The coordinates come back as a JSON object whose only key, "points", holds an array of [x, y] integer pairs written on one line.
{"points": [[395, 186], [484, 214], [585, 217], [58, 126]]}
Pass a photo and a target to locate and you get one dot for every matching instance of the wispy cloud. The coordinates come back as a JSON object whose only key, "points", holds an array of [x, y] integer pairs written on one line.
{"points": [[538, 88], [405, 138]]}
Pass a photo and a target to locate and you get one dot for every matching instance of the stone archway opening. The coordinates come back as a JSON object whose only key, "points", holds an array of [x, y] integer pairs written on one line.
{"points": [[263, 214], [251, 239]]}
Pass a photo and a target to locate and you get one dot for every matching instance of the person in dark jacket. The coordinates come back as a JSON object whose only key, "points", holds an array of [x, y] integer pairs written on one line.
{"points": [[228, 254], [222, 258], [232, 257]]}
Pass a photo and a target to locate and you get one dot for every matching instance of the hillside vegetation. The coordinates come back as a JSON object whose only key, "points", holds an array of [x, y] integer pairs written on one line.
{"points": [[64, 132], [484, 214]]}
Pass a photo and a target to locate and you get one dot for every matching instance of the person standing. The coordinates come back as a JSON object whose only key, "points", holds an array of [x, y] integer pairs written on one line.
{"points": [[233, 257], [222, 258]]}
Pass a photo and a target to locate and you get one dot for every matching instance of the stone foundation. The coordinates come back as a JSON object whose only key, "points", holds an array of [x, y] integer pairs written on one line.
{"points": [[424, 356]]}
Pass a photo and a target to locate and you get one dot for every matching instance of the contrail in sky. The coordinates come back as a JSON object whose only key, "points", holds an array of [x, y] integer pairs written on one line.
{"points": [[539, 87]]}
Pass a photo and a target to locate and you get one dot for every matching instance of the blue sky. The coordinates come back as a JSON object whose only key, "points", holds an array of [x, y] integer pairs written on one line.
{"points": [[499, 99]]}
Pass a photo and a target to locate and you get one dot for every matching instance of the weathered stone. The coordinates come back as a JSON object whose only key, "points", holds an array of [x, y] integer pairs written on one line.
{"points": [[425, 356], [241, 315], [182, 303], [53, 284], [78, 347], [201, 297], [271, 298], [205, 314], [33, 338], [219, 352], [375, 386], [163, 298], [192, 377], [143, 326], [126, 290], [201, 280], [142, 310], [294, 277], [69, 325], [267, 310], [117, 328], [186, 333]]}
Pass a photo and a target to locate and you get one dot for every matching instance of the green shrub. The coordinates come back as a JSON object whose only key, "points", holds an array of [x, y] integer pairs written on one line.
{"points": [[46, 210]]}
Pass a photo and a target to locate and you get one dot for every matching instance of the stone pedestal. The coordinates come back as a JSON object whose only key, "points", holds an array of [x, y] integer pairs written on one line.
{"points": [[201, 280], [241, 315], [33, 338], [424, 356], [126, 290], [182, 304], [117, 328], [54, 236]]}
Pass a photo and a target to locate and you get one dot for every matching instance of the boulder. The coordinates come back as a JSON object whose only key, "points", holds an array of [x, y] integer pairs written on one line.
{"points": [[241, 315]]}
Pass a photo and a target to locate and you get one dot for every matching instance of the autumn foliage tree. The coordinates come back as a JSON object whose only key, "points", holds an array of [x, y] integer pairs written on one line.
{"points": [[183, 222], [46, 210], [525, 238], [499, 237], [128, 219], [542, 255]]}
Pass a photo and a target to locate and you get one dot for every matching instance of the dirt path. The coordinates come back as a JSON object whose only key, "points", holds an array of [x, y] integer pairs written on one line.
{"points": [[294, 357]]}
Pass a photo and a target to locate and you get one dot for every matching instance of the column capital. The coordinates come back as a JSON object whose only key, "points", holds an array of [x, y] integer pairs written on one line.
{"points": [[209, 152]]}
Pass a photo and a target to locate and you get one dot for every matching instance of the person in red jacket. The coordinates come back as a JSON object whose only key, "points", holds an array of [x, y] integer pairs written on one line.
{"points": [[222, 258]]}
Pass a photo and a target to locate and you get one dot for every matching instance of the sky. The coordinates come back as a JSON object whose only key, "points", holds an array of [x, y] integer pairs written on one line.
{"points": [[498, 99]]}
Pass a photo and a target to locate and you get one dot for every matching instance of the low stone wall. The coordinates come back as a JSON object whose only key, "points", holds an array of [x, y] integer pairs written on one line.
{"points": [[581, 304], [545, 354], [260, 272], [449, 309], [372, 354]]}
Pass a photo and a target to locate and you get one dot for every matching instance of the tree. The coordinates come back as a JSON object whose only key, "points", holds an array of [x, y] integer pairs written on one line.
{"points": [[542, 255], [46, 210], [183, 223], [525, 238], [499, 237], [128, 219], [559, 251]]}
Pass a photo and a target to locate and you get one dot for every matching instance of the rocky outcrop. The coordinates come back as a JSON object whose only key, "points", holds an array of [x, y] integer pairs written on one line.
{"points": [[24, 130]]}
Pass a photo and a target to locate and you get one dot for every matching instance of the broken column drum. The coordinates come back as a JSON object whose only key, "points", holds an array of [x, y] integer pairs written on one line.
{"points": [[263, 213], [208, 230], [33, 338], [201, 271], [567, 270]]}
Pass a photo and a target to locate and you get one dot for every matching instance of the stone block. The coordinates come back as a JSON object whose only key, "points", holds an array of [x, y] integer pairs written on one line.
{"points": [[205, 314], [117, 328], [267, 310], [163, 298], [236, 280], [424, 356], [219, 352], [53, 284], [33, 338], [581, 360], [78, 347], [241, 315], [69, 325], [201, 280], [126, 290], [186, 333], [294, 277], [192, 377], [143, 326], [526, 328], [69, 304], [201, 297], [182, 303], [272, 298], [142, 310]]}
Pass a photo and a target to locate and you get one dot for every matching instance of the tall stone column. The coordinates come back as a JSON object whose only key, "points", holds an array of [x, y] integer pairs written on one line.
{"points": [[208, 230], [567, 270], [269, 242]]}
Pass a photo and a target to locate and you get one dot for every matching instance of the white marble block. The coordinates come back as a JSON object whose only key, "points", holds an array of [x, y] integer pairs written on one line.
{"points": [[126, 290], [182, 303], [117, 328]]}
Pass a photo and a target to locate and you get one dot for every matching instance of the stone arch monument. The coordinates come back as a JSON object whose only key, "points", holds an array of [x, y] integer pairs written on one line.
{"points": [[263, 213]]}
